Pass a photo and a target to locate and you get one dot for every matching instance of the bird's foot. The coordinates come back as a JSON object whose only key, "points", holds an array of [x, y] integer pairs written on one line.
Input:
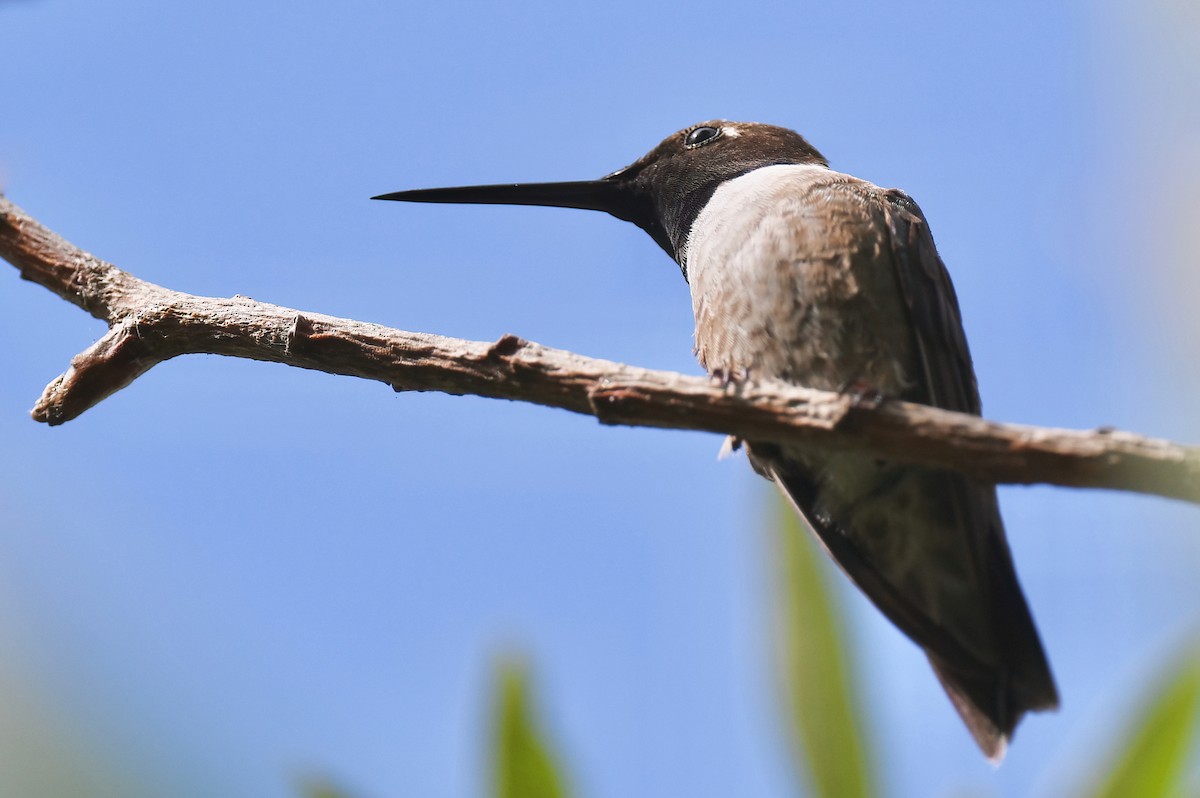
{"points": [[732, 378], [862, 394]]}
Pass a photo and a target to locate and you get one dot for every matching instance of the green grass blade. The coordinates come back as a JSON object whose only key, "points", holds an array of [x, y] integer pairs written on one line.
{"points": [[830, 745], [1154, 759], [524, 766]]}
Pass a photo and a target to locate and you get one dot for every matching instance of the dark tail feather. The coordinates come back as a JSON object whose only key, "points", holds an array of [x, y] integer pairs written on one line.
{"points": [[990, 697], [992, 703], [992, 728], [988, 708]]}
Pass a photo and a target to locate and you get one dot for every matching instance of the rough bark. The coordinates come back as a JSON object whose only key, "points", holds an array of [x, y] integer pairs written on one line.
{"points": [[149, 324]]}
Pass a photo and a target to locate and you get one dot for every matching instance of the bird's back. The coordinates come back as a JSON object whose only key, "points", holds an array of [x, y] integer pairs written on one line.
{"points": [[816, 278]]}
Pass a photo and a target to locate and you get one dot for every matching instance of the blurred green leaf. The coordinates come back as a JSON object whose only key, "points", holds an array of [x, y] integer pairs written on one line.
{"points": [[320, 788], [1153, 760], [830, 744], [524, 766]]}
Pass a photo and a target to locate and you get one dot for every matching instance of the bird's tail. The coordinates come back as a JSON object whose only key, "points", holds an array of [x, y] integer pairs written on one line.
{"points": [[992, 701], [991, 692]]}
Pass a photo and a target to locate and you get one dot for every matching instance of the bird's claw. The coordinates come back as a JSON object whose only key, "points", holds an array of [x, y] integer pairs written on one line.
{"points": [[861, 394], [731, 378]]}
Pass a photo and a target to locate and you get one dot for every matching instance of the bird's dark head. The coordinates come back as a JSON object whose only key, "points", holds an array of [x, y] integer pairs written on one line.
{"points": [[661, 192], [678, 177]]}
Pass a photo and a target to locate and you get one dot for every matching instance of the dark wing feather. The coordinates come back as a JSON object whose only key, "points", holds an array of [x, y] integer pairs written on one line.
{"points": [[990, 693], [1023, 680], [949, 376]]}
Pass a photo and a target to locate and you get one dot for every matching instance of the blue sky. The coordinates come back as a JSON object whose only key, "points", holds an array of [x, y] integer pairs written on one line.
{"points": [[232, 574]]}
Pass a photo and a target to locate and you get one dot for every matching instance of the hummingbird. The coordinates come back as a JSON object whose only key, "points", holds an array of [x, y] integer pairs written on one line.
{"points": [[802, 274]]}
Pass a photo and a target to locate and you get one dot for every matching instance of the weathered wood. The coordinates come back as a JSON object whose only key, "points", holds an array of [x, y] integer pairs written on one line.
{"points": [[149, 324]]}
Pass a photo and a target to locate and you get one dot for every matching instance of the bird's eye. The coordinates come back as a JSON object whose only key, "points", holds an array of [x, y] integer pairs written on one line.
{"points": [[701, 135]]}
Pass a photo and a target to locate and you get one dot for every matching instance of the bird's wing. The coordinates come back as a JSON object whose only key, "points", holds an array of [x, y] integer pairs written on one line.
{"points": [[949, 382], [948, 377], [986, 653]]}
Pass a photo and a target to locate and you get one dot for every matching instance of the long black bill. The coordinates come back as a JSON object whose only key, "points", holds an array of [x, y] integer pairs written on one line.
{"points": [[605, 195]]}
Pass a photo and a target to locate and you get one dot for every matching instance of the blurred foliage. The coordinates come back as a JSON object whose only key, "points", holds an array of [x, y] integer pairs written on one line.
{"points": [[1154, 760], [818, 671], [830, 744], [524, 766], [46, 752], [321, 788]]}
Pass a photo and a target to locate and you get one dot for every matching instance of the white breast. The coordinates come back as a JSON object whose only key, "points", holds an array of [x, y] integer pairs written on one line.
{"points": [[791, 278], [737, 206]]}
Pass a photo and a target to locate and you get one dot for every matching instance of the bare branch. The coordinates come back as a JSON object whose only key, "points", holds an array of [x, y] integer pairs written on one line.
{"points": [[149, 324]]}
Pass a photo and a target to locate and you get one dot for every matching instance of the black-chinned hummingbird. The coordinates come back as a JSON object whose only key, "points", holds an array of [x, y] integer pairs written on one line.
{"points": [[803, 274]]}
